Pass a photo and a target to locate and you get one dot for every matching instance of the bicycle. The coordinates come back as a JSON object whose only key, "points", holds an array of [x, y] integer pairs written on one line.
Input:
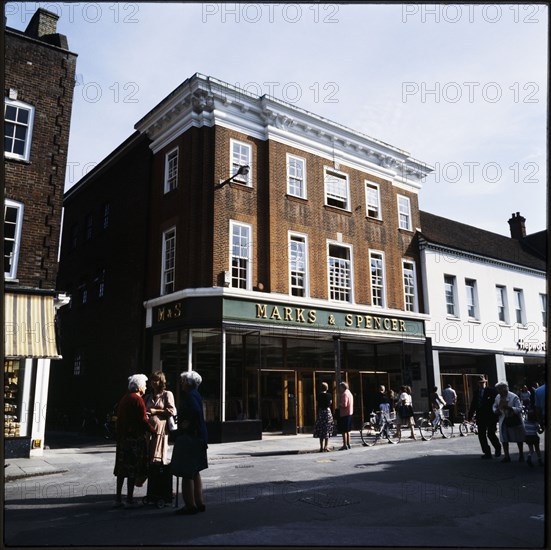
{"points": [[378, 426], [442, 424], [467, 427]]}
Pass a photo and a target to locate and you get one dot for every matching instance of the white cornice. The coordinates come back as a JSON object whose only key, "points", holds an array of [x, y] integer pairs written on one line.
{"points": [[204, 101]]}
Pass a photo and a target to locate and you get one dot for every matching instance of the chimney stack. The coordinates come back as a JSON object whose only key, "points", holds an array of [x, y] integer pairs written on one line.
{"points": [[43, 23], [517, 226]]}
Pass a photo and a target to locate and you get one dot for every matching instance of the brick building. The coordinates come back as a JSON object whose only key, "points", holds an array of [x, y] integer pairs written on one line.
{"points": [[39, 80], [280, 253]]}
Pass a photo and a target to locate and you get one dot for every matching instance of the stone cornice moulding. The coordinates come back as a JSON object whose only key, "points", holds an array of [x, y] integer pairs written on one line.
{"points": [[216, 102]]}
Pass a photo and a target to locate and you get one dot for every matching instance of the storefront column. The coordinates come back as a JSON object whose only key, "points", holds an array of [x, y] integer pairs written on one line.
{"points": [[501, 372], [223, 375], [436, 369], [38, 422], [190, 350], [337, 342]]}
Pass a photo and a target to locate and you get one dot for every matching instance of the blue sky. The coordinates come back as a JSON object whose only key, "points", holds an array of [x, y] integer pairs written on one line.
{"points": [[460, 87]]}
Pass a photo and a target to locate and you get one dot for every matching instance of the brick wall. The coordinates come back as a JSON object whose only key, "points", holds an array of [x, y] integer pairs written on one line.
{"points": [[43, 76]]}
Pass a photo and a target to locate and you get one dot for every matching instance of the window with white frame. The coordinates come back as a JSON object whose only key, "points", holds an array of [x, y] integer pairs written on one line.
{"points": [[340, 272], [100, 283], [83, 293], [18, 127], [77, 365], [171, 170], [336, 189], [296, 176], [106, 212], [241, 255], [472, 298], [501, 296], [13, 222], [241, 155], [377, 270], [298, 265], [450, 295], [372, 200], [519, 306], [168, 270], [404, 213], [543, 304], [410, 286]]}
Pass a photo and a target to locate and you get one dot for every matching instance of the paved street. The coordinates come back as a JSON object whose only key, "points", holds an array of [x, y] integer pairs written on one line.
{"points": [[277, 492]]}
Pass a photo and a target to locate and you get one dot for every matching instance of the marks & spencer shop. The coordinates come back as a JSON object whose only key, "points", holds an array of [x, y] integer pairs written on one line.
{"points": [[263, 362]]}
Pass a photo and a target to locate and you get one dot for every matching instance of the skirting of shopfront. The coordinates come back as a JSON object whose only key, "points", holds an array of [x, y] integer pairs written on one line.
{"points": [[263, 363]]}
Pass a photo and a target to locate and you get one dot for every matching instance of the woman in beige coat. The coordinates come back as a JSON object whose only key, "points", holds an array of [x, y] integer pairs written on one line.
{"points": [[160, 407]]}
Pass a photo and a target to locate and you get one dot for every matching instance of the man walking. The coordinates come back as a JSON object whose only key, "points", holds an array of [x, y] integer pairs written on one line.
{"points": [[450, 397], [486, 420]]}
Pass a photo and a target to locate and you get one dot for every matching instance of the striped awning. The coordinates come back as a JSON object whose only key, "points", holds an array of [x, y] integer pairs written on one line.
{"points": [[29, 326]]}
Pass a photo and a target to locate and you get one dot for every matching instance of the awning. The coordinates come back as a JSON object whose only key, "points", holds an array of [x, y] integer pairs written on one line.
{"points": [[29, 326]]}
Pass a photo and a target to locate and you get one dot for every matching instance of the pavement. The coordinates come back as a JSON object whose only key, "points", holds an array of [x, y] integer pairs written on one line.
{"points": [[68, 448]]}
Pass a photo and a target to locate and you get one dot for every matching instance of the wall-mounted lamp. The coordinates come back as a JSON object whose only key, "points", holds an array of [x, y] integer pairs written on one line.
{"points": [[241, 171]]}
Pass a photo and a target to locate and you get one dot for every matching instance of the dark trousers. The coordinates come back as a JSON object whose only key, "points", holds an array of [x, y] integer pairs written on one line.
{"points": [[451, 409], [487, 430]]}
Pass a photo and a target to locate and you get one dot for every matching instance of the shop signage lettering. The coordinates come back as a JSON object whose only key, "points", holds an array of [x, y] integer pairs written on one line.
{"points": [[523, 345], [310, 316], [172, 311]]}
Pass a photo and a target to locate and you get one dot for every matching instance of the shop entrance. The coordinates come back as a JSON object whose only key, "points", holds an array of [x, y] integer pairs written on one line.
{"points": [[464, 385], [369, 383], [278, 401]]}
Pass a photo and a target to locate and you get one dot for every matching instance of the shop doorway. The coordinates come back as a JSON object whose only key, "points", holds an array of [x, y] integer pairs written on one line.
{"points": [[464, 385], [369, 384], [278, 401], [309, 386]]}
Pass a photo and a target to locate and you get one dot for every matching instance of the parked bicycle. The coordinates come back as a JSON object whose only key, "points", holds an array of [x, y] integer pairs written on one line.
{"points": [[428, 427], [380, 425], [467, 427]]}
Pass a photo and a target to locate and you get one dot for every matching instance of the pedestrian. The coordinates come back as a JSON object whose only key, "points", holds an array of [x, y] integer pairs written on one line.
{"points": [[404, 411], [346, 410], [486, 419], [450, 397], [524, 396], [384, 401], [539, 404], [323, 428], [511, 427], [133, 427], [437, 404], [160, 406], [189, 456], [532, 439]]}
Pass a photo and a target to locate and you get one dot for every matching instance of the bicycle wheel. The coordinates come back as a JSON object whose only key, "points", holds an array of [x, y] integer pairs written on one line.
{"points": [[369, 434], [463, 429], [425, 429], [393, 434], [446, 428]]}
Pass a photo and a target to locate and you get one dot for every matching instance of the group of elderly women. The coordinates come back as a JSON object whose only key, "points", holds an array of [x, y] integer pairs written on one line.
{"points": [[142, 436]]}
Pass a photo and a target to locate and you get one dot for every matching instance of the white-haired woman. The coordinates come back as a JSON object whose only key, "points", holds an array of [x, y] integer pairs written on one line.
{"points": [[511, 427], [190, 449], [133, 428]]}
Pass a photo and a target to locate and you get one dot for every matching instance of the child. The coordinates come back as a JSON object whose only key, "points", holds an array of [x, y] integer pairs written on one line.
{"points": [[531, 428]]}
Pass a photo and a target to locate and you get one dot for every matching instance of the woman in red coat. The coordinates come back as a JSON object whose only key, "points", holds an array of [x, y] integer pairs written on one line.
{"points": [[132, 450]]}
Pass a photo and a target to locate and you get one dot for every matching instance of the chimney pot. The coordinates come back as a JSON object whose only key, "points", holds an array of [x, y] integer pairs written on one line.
{"points": [[42, 23], [517, 226]]}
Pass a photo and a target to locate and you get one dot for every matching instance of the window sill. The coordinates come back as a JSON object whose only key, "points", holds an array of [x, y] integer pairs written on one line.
{"points": [[336, 209], [294, 198], [379, 221], [452, 318], [17, 160], [474, 321], [402, 230]]}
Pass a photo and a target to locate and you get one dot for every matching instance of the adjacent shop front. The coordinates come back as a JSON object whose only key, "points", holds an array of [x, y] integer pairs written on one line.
{"points": [[29, 346], [263, 361]]}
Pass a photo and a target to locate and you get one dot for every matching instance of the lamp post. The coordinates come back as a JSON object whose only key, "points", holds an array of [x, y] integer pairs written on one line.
{"points": [[241, 171]]}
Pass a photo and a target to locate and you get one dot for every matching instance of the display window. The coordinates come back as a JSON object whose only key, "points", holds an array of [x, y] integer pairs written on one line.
{"points": [[13, 398]]}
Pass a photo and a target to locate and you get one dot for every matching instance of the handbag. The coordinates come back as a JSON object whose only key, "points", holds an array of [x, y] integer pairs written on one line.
{"points": [[172, 424], [404, 411], [512, 421]]}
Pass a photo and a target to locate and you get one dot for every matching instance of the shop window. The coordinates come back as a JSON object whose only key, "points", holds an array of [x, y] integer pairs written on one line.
{"points": [[340, 273], [241, 155], [336, 189], [241, 255], [377, 269], [18, 127], [298, 265], [13, 222], [13, 401], [171, 170], [169, 261], [296, 176]]}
